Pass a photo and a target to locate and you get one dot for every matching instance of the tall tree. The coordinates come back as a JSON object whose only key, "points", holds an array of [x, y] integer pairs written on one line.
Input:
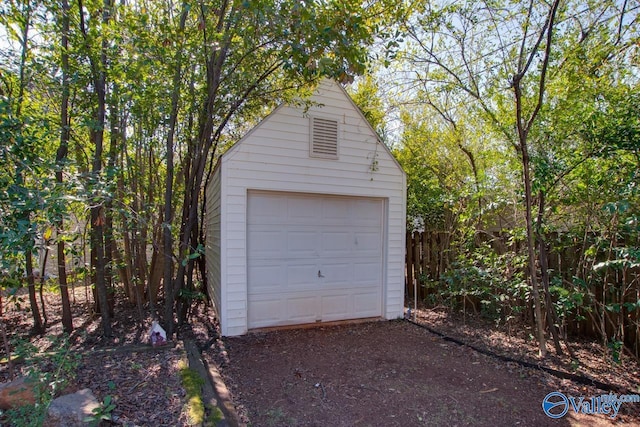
{"points": [[20, 23], [524, 122], [96, 52], [497, 62], [61, 155], [167, 248]]}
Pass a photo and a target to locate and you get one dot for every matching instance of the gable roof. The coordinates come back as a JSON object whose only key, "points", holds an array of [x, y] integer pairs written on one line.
{"points": [[315, 96]]}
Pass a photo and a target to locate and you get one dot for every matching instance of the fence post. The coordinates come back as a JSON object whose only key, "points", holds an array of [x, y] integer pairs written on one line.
{"points": [[409, 266], [416, 261]]}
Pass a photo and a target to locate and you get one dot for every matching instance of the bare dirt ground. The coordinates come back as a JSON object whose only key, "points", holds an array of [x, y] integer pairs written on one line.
{"points": [[368, 374], [388, 373]]}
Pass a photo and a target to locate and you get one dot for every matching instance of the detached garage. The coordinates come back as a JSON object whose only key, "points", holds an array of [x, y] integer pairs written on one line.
{"points": [[306, 220]]}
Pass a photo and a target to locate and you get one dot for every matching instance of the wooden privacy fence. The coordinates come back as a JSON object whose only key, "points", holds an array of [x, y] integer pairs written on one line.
{"points": [[429, 254], [427, 258], [611, 309]]}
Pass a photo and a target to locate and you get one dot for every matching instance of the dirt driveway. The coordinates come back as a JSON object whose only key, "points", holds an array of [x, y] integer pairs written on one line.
{"points": [[383, 374]]}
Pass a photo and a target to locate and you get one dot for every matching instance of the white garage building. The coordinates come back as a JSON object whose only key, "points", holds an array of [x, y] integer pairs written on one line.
{"points": [[306, 220]]}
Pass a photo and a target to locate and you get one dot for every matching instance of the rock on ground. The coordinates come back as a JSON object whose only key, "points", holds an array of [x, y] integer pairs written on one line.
{"points": [[16, 393], [71, 410]]}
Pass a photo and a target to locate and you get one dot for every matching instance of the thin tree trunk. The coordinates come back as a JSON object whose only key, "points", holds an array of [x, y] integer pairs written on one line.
{"points": [[552, 319], [124, 265], [531, 244], [109, 247], [156, 270], [168, 195], [523, 126], [42, 280], [97, 137], [140, 232], [110, 244], [61, 155], [38, 327]]}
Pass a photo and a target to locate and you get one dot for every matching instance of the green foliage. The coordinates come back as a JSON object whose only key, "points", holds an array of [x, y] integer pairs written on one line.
{"points": [[192, 295], [615, 347], [426, 200], [496, 282], [460, 64], [102, 412], [367, 97], [199, 251], [50, 371], [625, 258], [568, 300]]}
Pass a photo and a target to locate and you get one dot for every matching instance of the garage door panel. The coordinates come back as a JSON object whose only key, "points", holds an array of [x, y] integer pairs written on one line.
{"points": [[266, 276], [321, 260], [336, 211], [302, 309], [368, 211], [367, 243], [365, 272], [264, 312], [366, 304], [335, 307], [267, 244], [302, 243], [337, 272], [301, 275], [303, 210], [337, 241], [270, 207]]}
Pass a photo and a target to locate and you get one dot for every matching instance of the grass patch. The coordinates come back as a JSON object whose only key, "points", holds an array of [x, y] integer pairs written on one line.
{"points": [[192, 384], [215, 416]]}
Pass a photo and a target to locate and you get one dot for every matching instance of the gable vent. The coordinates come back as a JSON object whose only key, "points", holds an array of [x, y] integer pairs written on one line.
{"points": [[324, 138]]}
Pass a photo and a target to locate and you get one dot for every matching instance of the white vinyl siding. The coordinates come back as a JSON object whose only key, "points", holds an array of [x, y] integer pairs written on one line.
{"points": [[275, 157], [213, 235]]}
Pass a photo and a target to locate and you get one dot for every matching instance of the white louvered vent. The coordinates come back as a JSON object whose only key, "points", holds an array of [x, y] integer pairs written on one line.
{"points": [[324, 138]]}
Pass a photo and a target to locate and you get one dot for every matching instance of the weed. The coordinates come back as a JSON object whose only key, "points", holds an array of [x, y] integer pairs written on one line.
{"points": [[102, 412], [615, 347]]}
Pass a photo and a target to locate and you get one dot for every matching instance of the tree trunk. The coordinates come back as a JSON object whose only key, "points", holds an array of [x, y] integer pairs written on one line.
{"points": [[531, 245], [109, 247], [97, 137], [110, 243], [38, 327], [552, 317], [523, 126], [61, 155], [42, 280], [167, 249], [156, 270]]}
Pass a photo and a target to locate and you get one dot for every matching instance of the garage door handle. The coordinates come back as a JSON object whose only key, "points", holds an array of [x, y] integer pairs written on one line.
{"points": [[320, 274]]}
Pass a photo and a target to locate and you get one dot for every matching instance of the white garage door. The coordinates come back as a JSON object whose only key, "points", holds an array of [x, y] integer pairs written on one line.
{"points": [[313, 258]]}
